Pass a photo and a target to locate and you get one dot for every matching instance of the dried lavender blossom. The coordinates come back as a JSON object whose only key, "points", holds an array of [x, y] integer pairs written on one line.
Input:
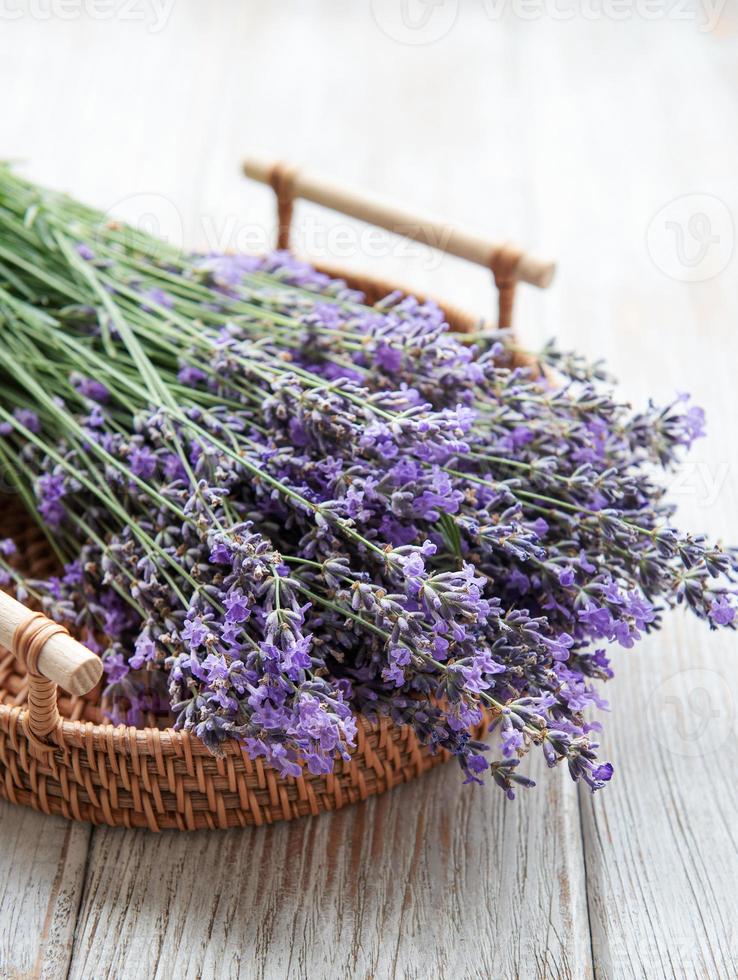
{"points": [[283, 506]]}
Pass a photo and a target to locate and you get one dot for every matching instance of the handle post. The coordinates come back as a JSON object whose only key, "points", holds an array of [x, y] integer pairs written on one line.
{"points": [[509, 265]]}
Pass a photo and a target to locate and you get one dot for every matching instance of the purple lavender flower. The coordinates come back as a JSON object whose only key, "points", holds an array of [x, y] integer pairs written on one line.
{"points": [[90, 388], [190, 375], [143, 462], [28, 418], [722, 613], [236, 607], [50, 491]]}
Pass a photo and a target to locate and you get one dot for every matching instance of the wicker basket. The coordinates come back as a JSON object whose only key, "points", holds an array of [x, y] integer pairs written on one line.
{"points": [[58, 755]]}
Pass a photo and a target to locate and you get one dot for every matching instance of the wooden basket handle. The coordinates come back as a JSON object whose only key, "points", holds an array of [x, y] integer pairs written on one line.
{"points": [[50, 656], [509, 265]]}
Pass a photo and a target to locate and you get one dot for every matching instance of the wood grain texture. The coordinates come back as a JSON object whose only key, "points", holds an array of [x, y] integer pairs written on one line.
{"points": [[42, 863], [374, 890], [569, 137], [661, 848]]}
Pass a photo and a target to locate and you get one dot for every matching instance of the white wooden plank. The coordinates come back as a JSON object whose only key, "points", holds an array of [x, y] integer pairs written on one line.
{"points": [[430, 880], [42, 864], [661, 847]]}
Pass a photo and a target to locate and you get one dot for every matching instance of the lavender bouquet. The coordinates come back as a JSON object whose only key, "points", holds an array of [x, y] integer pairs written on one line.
{"points": [[275, 506]]}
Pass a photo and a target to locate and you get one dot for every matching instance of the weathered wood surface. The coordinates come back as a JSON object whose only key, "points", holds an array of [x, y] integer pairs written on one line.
{"points": [[42, 871], [569, 136], [368, 891]]}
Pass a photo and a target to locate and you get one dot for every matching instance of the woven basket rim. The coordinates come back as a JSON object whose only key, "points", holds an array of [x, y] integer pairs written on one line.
{"points": [[138, 740]]}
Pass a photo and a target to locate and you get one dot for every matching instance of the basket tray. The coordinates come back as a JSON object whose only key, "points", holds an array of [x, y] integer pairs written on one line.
{"points": [[86, 769]]}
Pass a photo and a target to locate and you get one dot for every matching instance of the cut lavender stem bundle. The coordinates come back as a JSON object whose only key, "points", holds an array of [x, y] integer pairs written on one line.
{"points": [[275, 506]]}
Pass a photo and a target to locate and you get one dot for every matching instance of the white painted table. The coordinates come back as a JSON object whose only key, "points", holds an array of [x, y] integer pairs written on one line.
{"points": [[569, 136]]}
